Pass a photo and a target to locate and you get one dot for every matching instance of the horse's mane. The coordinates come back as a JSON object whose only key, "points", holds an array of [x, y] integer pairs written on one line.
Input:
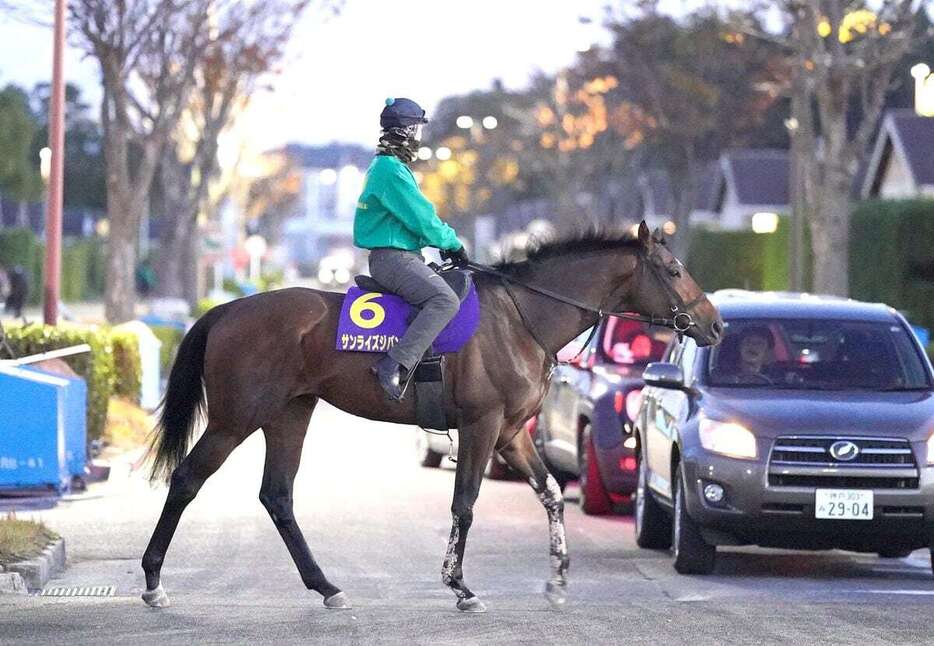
{"points": [[581, 242]]}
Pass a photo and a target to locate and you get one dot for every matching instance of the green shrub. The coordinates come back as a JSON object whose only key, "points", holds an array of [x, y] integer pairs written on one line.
{"points": [[96, 367], [171, 338], [890, 256], [127, 364], [205, 305], [740, 259], [82, 264]]}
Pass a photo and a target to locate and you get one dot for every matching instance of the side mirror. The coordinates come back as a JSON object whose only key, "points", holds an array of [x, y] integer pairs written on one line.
{"points": [[664, 375]]}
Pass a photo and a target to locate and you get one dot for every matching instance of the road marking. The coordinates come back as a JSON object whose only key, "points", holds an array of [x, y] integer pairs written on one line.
{"points": [[910, 592]]}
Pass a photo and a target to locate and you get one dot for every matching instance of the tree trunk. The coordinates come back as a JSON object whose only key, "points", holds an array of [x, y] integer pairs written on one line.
{"points": [[120, 295], [173, 241], [190, 265], [830, 232]]}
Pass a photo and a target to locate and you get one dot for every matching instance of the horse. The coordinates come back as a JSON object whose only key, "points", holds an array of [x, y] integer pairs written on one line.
{"points": [[264, 362]]}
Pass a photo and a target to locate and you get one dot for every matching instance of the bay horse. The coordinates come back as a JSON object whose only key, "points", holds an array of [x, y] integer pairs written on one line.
{"points": [[264, 362]]}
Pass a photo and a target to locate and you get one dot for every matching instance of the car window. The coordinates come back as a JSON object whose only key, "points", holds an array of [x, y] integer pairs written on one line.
{"points": [[816, 355], [632, 343]]}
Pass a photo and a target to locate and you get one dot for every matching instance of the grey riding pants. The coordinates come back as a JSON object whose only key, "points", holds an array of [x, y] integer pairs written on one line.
{"points": [[406, 274]]}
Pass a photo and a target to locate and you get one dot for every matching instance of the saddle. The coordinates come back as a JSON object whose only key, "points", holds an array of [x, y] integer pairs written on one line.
{"points": [[373, 318], [457, 279]]}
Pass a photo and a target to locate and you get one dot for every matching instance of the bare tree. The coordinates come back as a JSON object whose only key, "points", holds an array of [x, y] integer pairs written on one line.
{"points": [[843, 56], [147, 51], [246, 42]]}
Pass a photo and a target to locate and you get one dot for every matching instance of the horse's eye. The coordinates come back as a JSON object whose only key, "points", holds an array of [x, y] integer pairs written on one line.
{"points": [[674, 272]]}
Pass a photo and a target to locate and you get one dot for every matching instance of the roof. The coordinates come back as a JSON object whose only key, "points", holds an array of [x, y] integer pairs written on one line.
{"points": [[758, 176], [911, 137], [737, 303]]}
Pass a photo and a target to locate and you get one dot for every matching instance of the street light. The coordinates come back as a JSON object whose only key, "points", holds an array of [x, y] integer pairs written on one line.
{"points": [[443, 153], [424, 153], [45, 164], [764, 222], [464, 122], [490, 122]]}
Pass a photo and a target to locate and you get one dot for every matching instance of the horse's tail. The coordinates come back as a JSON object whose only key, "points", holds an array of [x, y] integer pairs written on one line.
{"points": [[184, 403]]}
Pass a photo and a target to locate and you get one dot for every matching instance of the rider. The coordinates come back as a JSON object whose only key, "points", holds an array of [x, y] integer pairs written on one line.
{"points": [[394, 220]]}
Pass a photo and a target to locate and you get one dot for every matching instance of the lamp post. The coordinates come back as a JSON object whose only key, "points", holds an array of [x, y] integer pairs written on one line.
{"points": [[53, 213]]}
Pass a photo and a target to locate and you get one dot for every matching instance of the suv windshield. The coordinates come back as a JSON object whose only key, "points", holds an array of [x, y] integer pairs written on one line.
{"points": [[816, 355]]}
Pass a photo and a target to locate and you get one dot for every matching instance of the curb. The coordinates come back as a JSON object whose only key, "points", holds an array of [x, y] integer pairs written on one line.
{"points": [[37, 571]]}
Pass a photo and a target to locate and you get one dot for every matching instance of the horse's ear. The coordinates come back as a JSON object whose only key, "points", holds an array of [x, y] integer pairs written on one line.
{"points": [[658, 236], [645, 237]]}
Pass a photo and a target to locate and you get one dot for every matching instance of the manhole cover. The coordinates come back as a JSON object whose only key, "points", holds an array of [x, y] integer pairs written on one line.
{"points": [[79, 591]]}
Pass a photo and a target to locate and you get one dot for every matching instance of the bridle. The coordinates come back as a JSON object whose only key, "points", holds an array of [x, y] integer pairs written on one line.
{"points": [[682, 314]]}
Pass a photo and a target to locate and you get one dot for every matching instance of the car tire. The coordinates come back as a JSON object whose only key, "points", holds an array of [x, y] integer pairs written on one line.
{"points": [[594, 499], [651, 522], [426, 456], [693, 555]]}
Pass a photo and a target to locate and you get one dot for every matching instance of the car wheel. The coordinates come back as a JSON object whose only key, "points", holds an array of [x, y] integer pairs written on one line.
{"points": [[594, 499], [496, 469], [651, 522], [693, 555], [426, 456]]}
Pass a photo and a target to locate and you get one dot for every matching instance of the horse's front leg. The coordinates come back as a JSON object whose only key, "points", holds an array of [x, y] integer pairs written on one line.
{"points": [[520, 454], [474, 450]]}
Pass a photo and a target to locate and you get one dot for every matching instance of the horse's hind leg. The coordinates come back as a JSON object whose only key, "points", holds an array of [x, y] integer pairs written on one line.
{"points": [[284, 439], [520, 454], [205, 458], [475, 448]]}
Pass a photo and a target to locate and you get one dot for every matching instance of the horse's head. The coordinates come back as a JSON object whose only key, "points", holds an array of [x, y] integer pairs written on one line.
{"points": [[665, 289]]}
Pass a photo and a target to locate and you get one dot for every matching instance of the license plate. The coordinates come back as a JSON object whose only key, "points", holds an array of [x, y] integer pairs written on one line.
{"points": [[843, 504]]}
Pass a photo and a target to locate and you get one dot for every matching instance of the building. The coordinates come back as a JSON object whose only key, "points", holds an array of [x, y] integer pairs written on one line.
{"points": [[331, 180], [750, 182], [902, 161]]}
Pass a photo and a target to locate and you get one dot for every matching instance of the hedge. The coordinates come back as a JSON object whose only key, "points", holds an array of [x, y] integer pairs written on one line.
{"points": [[111, 368], [21, 247], [891, 259], [740, 259]]}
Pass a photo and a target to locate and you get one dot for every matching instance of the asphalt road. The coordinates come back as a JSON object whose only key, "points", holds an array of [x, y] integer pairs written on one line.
{"points": [[378, 525]]}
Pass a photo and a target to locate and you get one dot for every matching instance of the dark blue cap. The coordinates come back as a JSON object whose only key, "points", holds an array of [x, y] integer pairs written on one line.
{"points": [[401, 113]]}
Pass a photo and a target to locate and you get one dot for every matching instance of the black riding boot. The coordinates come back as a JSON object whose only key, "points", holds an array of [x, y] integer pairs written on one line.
{"points": [[389, 374]]}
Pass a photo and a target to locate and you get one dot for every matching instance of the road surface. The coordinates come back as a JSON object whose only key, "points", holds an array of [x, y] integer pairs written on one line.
{"points": [[378, 525]]}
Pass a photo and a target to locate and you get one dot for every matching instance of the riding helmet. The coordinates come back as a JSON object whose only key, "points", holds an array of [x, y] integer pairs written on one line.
{"points": [[401, 113]]}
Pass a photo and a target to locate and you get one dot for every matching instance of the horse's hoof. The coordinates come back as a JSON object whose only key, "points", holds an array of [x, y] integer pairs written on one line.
{"points": [[557, 593], [471, 604], [337, 601], [156, 598]]}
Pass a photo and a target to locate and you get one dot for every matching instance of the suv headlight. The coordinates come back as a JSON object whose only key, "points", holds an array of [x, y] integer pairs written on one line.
{"points": [[731, 439], [931, 449]]}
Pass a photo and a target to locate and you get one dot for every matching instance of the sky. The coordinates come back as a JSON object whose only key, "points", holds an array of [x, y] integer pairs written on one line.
{"points": [[340, 69]]}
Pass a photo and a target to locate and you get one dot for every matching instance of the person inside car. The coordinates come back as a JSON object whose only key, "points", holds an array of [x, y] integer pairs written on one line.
{"points": [[394, 220], [755, 350]]}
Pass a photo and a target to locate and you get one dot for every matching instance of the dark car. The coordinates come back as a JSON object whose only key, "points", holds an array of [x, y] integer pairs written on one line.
{"points": [[808, 427], [582, 427]]}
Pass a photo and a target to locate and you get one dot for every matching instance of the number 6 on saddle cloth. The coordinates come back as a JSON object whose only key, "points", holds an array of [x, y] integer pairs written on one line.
{"points": [[373, 319]]}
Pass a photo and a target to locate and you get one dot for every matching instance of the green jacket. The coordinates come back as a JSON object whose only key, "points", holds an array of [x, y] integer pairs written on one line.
{"points": [[392, 212]]}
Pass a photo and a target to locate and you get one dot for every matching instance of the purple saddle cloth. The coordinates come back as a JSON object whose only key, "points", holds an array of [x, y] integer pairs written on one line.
{"points": [[374, 322]]}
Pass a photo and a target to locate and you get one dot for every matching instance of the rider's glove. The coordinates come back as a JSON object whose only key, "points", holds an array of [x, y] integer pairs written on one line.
{"points": [[458, 258]]}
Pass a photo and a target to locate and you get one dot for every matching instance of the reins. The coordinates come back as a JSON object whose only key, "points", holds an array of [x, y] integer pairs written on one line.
{"points": [[680, 321]]}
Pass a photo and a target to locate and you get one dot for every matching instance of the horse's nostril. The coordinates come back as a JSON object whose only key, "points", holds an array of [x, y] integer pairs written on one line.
{"points": [[717, 329]]}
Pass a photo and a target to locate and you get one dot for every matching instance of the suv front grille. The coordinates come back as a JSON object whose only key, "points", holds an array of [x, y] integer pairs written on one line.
{"points": [[806, 461]]}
